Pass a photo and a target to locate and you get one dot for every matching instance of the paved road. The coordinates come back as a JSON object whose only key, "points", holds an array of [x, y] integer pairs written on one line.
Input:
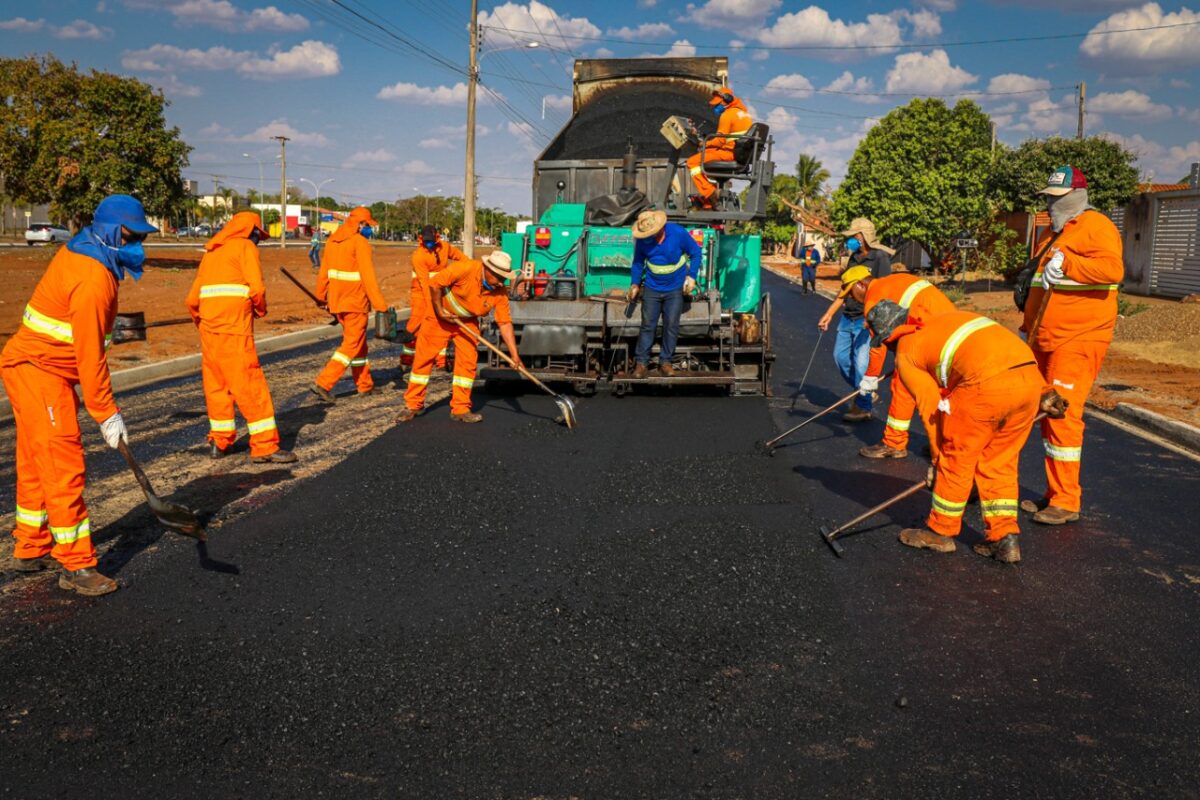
{"points": [[641, 608]]}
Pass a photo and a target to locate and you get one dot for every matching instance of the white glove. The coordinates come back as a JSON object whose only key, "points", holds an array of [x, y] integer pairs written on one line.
{"points": [[869, 383], [1053, 273], [944, 405], [114, 431], [689, 285]]}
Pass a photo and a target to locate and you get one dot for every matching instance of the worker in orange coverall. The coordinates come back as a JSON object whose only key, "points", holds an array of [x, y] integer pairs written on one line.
{"points": [[978, 389], [225, 298], [924, 301], [464, 291], [347, 284], [62, 343], [430, 257], [1077, 279], [733, 120]]}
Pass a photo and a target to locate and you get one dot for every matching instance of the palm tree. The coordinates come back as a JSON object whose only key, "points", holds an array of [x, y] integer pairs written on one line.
{"points": [[811, 176]]}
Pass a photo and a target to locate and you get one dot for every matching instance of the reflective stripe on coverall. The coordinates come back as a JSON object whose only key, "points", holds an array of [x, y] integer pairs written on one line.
{"points": [[924, 301], [986, 377], [735, 121], [61, 343], [225, 297], [1073, 338], [463, 297]]}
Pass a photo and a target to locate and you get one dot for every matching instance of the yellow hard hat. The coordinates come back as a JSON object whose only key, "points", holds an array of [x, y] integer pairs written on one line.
{"points": [[851, 277]]}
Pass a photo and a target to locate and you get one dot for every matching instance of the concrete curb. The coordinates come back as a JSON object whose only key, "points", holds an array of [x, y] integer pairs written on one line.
{"points": [[137, 377], [1178, 433]]}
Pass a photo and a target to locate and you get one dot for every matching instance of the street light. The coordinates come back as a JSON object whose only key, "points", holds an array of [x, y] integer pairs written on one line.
{"points": [[415, 189], [262, 221], [317, 197]]}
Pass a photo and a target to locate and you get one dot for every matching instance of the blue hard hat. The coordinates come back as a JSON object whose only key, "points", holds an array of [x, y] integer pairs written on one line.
{"points": [[123, 209]]}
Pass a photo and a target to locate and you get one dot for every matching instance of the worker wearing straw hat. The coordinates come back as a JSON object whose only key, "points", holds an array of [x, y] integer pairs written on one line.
{"points": [[666, 263]]}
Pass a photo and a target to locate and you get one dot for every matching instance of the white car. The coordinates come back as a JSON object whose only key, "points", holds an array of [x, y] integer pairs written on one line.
{"points": [[46, 232]]}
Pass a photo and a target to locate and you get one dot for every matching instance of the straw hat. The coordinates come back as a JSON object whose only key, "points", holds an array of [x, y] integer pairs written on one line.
{"points": [[864, 227], [500, 263], [649, 223]]}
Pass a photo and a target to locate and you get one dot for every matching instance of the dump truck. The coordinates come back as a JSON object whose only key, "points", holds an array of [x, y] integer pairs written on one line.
{"points": [[623, 150]]}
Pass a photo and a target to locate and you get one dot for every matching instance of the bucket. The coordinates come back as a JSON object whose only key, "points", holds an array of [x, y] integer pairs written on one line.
{"points": [[564, 285]]}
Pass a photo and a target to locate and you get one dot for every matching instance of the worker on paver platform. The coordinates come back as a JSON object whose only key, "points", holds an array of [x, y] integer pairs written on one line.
{"points": [[430, 257], [733, 120], [978, 389], [347, 284], [924, 301], [1077, 280], [225, 297], [851, 350], [62, 343], [666, 259], [462, 292]]}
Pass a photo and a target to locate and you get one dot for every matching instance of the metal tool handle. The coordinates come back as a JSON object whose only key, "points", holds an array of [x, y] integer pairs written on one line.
{"points": [[870, 512], [1037, 321], [507, 358], [819, 414], [142, 480], [300, 286]]}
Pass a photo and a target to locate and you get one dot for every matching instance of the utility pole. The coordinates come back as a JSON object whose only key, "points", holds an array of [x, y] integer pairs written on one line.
{"points": [[283, 140], [469, 187], [1082, 100], [994, 139]]}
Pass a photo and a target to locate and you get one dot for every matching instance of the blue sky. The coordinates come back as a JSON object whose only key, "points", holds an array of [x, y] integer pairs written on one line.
{"points": [[382, 121]]}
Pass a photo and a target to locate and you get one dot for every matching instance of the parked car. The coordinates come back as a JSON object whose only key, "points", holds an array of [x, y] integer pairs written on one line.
{"points": [[46, 232]]}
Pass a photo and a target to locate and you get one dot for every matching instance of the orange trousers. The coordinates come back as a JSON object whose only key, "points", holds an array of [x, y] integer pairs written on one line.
{"points": [[352, 353], [432, 340], [900, 413], [980, 442], [232, 375], [409, 351], [1070, 370], [704, 186], [51, 515]]}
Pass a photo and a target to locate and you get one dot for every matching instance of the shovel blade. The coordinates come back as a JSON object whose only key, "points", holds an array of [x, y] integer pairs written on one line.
{"points": [[567, 409], [177, 518], [833, 543]]}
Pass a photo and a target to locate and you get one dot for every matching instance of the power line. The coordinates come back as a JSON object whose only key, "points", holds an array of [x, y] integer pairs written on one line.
{"points": [[977, 93]]}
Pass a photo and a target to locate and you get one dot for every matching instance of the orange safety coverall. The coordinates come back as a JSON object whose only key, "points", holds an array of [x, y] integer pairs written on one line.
{"points": [[347, 283], [1073, 337], [924, 301], [735, 121], [463, 297], [62, 342], [988, 380], [426, 264], [225, 297]]}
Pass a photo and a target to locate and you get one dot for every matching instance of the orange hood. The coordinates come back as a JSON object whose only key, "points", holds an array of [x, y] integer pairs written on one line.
{"points": [[735, 103], [350, 226], [241, 226]]}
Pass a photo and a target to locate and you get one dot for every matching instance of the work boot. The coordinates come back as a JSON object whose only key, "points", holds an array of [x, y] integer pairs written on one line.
{"points": [[87, 581], [1005, 550], [215, 452], [406, 415], [1034, 506], [640, 370], [34, 564], [1053, 515], [924, 539], [667, 370], [278, 457], [323, 393], [469, 417], [366, 392], [881, 450], [856, 415]]}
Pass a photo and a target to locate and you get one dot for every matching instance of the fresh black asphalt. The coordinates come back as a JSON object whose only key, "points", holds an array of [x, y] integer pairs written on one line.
{"points": [[639, 608]]}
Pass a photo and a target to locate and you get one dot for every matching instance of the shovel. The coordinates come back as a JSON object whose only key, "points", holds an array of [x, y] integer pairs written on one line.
{"points": [[304, 289], [131, 326], [565, 406], [172, 515]]}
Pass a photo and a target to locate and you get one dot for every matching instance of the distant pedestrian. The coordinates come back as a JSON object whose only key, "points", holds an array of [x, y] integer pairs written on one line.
{"points": [[315, 246], [810, 258], [852, 349]]}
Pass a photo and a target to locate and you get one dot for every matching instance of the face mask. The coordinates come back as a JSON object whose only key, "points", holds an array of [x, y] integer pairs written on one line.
{"points": [[719, 109], [487, 285], [431, 245], [254, 237], [131, 257], [853, 245], [367, 231]]}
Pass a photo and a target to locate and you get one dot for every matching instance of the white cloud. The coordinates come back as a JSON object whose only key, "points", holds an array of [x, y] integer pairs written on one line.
{"points": [[733, 14], [931, 73], [521, 21], [925, 24], [455, 95], [1156, 161], [790, 86], [226, 16], [173, 87], [682, 48], [1145, 51], [435, 144], [1048, 116], [281, 127], [22, 25], [793, 137], [81, 29], [814, 27], [1191, 115], [1180, 83], [940, 5], [1129, 104], [859, 89], [380, 156], [1013, 82], [164, 57], [309, 59], [647, 30], [603, 52], [559, 102]]}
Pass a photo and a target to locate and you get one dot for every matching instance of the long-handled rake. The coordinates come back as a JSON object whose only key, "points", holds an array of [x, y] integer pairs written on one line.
{"points": [[769, 446]]}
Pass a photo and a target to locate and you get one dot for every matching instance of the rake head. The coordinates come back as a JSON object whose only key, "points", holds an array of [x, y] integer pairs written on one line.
{"points": [[830, 540]]}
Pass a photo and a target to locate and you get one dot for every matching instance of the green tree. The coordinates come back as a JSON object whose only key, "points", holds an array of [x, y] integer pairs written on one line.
{"points": [[920, 174], [1020, 173], [811, 176], [70, 138]]}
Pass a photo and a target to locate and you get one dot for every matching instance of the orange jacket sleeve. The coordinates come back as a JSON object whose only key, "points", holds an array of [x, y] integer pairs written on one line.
{"points": [[366, 271], [503, 311], [193, 300], [1096, 259], [90, 304], [454, 254], [877, 359], [252, 272], [322, 291], [450, 274], [927, 393]]}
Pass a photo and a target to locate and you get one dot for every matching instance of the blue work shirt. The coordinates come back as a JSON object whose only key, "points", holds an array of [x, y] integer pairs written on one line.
{"points": [[661, 263]]}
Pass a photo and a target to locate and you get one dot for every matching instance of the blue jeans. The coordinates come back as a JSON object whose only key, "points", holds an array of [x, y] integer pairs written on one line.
{"points": [[670, 305], [852, 352], [314, 257]]}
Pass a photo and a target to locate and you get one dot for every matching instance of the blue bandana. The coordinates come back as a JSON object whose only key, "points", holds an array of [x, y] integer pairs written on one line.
{"points": [[103, 243]]}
